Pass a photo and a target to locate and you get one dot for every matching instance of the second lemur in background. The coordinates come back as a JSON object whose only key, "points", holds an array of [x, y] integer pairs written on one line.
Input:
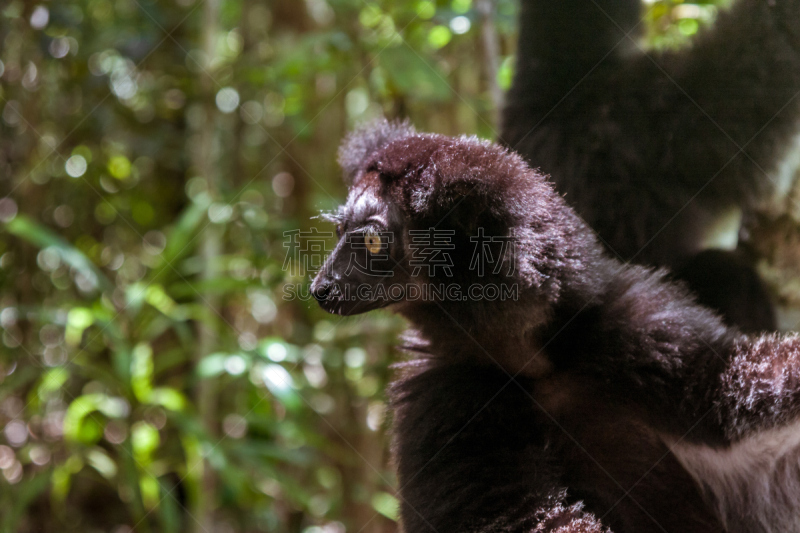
{"points": [[659, 151]]}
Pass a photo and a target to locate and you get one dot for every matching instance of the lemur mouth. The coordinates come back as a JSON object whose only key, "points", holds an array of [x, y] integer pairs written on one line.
{"points": [[337, 302], [340, 307], [331, 305]]}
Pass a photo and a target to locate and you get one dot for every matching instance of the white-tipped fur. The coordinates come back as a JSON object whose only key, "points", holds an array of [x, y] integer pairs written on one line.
{"points": [[754, 485]]}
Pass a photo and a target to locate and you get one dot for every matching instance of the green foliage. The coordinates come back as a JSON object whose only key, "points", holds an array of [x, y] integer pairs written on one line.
{"points": [[153, 374], [672, 22]]}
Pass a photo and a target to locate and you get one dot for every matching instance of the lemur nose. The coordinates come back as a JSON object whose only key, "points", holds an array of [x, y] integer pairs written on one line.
{"points": [[321, 292]]}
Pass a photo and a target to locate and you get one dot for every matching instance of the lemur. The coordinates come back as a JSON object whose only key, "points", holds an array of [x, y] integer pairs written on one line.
{"points": [[591, 396], [661, 152]]}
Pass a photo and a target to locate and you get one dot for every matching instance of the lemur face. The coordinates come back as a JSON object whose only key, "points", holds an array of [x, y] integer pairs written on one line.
{"points": [[434, 220], [367, 261]]}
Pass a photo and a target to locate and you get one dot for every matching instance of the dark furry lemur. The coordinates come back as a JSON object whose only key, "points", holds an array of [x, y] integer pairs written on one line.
{"points": [[659, 152], [598, 397]]}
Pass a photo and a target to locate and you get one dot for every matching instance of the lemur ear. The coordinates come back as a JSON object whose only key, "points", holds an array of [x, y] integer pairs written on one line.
{"points": [[478, 191], [464, 182], [487, 218], [367, 139]]}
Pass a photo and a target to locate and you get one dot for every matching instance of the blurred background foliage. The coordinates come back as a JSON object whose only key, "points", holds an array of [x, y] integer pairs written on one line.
{"points": [[153, 157]]}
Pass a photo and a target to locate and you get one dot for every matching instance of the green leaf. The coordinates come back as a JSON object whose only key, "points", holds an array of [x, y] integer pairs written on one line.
{"points": [[25, 493], [180, 240], [280, 384], [168, 398], [78, 319], [386, 504], [62, 477], [439, 36], [142, 372], [211, 365], [100, 461], [41, 236], [150, 489], [505, 73], [169, 511], [219, 285], [17, 380], [51, 381], [155, 296], [413, 76], [145, 440], [83, 406], [119, 166]]}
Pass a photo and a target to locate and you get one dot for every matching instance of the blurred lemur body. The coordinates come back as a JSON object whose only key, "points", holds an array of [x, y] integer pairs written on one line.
{"points": [[597, 397], [659, 152]]}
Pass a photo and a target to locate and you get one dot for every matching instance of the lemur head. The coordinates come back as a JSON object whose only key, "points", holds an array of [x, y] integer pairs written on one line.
{"points": [[431, 219]]}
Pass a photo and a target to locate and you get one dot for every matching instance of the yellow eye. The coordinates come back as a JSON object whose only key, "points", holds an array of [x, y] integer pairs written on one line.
{"points": [[373, 242]]}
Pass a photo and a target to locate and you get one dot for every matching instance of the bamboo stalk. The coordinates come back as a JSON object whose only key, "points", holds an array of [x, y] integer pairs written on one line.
{"points": [[206, 392], [491, 52]]}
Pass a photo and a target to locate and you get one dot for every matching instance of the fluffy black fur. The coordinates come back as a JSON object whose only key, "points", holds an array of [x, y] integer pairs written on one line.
{"points": [[583, 404], [652, 149]]}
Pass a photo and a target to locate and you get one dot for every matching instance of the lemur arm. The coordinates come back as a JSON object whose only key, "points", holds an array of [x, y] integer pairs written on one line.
{"points": [[560, 43], [652, 348], [760, 387], [718, 394], [737, 87], [734, 88]]}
